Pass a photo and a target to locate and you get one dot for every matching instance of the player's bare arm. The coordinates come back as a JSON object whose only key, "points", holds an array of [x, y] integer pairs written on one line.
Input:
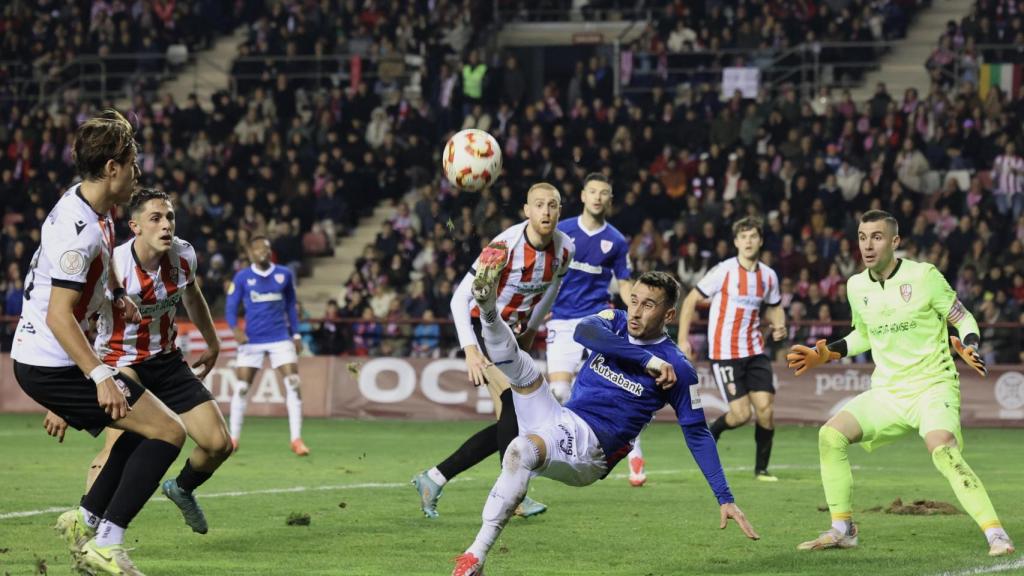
{"points": [[686, 313], [60, 318], [776, 318], [123, 305], [199, 312], [730, 510]]}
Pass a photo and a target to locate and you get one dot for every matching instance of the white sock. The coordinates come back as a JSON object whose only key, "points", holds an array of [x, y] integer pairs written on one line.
{"points": [[636, 452], [991, 533], [109, 533], [521, 457], [238, 402], [504, 351], [841, 526], [435, 475], [562, 390], [294, 403], [91, 520]]}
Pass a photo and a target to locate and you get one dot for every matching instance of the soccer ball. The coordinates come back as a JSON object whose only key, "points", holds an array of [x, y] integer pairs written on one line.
{"points": [[471, 160]]}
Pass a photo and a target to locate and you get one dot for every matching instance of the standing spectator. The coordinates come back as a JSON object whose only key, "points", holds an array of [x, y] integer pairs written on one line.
{"points": [[1008, 178]]}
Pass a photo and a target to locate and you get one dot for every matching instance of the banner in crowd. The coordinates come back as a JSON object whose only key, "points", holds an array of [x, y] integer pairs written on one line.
{"points": [[1008, 77], [438, 389]]}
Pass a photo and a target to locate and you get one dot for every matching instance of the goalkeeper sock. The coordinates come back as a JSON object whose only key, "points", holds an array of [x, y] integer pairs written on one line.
{"points": [[508, 491], [836, 477], [968, 488]]}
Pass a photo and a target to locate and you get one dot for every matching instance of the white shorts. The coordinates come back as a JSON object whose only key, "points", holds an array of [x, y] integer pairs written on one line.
{"points": [[281, 352], [565, 354], [574, 455]]}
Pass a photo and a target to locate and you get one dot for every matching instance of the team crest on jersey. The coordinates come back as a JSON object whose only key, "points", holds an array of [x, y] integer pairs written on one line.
{"points": [[250, 281], [906, 290], [606, 246], [172, 274], [279, 278], [72, 263]]}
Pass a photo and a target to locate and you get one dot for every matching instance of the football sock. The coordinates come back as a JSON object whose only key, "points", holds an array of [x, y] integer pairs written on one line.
{"points": [[109, 478], [562, 390], [719, 426], [189, 478], [141, 476], [508, 424], [967, 486], [473, 451], [508, 491], [763, 438], [238, 402], [294, 403], [637, 451], [109, 534], [91, 520], [436, 476], [836, 477], [515, 364]]}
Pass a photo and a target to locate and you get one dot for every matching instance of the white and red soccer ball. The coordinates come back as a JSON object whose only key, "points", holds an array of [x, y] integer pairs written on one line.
{"points": [[471, 160]]}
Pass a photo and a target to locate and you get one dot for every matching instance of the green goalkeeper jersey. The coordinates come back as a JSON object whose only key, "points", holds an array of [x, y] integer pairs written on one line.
{"points": [[902, 320]]}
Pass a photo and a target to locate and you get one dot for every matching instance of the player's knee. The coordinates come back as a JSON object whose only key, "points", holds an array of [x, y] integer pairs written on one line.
{"points": [[242, 388], [172, 432], [830, 439], [293, 382], [741, 413], [521, 454], [220, 448], [765, 416]]}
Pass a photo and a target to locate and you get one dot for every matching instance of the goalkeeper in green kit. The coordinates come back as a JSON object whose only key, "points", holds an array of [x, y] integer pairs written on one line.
{"points": [[900, 309]]}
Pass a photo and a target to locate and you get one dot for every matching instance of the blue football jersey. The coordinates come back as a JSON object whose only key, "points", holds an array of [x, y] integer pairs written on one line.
{"points": [[271, 314], [599, 254], [617, 397]]}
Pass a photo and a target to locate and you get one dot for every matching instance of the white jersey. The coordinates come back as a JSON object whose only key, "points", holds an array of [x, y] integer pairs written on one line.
{"points": [[734, 327], [157, 295], [74, 252], [1009, 174], [527, 286]]}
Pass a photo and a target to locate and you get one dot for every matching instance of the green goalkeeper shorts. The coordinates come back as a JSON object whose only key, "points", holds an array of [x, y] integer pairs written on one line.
{"points": [[884, 416]]}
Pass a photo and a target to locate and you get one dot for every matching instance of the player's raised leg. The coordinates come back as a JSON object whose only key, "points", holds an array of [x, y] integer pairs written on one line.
{"points": [[206, 426], [834, 439]]}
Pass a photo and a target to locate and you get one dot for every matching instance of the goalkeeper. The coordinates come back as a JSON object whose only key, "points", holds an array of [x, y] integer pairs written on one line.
{"points": [[900, 309]]}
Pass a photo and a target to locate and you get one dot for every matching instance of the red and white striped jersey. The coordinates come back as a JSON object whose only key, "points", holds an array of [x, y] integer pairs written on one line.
{"points": [[528, 273], [74, 252], [734, 327], [157, 294]]}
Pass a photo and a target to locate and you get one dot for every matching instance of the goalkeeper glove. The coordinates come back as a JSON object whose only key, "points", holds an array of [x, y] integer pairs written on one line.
{"points": [[803, 358], [970, 356]]}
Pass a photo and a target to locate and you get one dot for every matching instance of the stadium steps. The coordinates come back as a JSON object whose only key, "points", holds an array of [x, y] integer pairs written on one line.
{"points": [[903, 67], [330, 273]]}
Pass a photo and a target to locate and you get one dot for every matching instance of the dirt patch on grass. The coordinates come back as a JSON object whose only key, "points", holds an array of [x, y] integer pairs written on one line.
{"points": [[921, 508]]}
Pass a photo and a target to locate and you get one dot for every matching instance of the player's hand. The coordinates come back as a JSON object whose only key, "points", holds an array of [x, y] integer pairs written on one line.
{"points": [[803, 358], [476, 364], [686, 348], [525, 340], [112, 399], [207, 360], [128, 309], [240, 336], [970, 356], [664, 375], [779, 333], [55, 426], [731, 510]]}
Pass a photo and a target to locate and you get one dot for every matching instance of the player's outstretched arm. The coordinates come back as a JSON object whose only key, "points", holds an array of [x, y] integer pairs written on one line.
{"points": [[945, 302], [802, 358], [968, 350], [702, 445], [199, 312], [231, 308], [596, 333], [686, 313]]}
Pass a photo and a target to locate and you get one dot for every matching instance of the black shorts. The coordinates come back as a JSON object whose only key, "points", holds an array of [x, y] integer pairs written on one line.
{"points": [[170, 379], [68, 393], [736, 378]]}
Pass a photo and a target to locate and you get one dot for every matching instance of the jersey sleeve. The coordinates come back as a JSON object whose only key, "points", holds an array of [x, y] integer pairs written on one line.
{"points": [[599, 333], [857, 340], [70, 249], [711, 283], [188, 253], [623, 269], [946, 304], [773, 297], [291, 303], [235, 291], [685, 395]]}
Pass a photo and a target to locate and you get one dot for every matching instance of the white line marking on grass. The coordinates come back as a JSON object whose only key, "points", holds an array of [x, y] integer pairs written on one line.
{"points": [[1005, 566], [383, 486]]}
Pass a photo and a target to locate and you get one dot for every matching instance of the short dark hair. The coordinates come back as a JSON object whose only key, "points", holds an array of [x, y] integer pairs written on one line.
{"points": [[258, 238], [596, 177], [108, 136], [881, 215], [665, 281], [144, 195], [748, 223]]}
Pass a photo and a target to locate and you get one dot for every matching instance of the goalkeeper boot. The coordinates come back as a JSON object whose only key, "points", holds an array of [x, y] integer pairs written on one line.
{"points": [[832, 538], [186, 502], [98, 560], [530, 507], [468, 564], [637, 476], [73, 530], [1000, 545], [429, 492]]}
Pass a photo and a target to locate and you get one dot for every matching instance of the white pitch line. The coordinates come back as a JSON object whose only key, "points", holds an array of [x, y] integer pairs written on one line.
{"points": [[1004, 567], [380, 485]]}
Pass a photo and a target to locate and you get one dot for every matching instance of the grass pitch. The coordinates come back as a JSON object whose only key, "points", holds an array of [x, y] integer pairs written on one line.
{"points": [[364, 516]]}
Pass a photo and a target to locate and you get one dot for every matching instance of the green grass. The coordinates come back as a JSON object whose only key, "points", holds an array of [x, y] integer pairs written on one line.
{"points": [[365, 518]]}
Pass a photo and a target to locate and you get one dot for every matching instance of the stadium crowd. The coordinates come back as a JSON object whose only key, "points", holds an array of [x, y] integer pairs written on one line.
{"points": [[301, 153]]}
